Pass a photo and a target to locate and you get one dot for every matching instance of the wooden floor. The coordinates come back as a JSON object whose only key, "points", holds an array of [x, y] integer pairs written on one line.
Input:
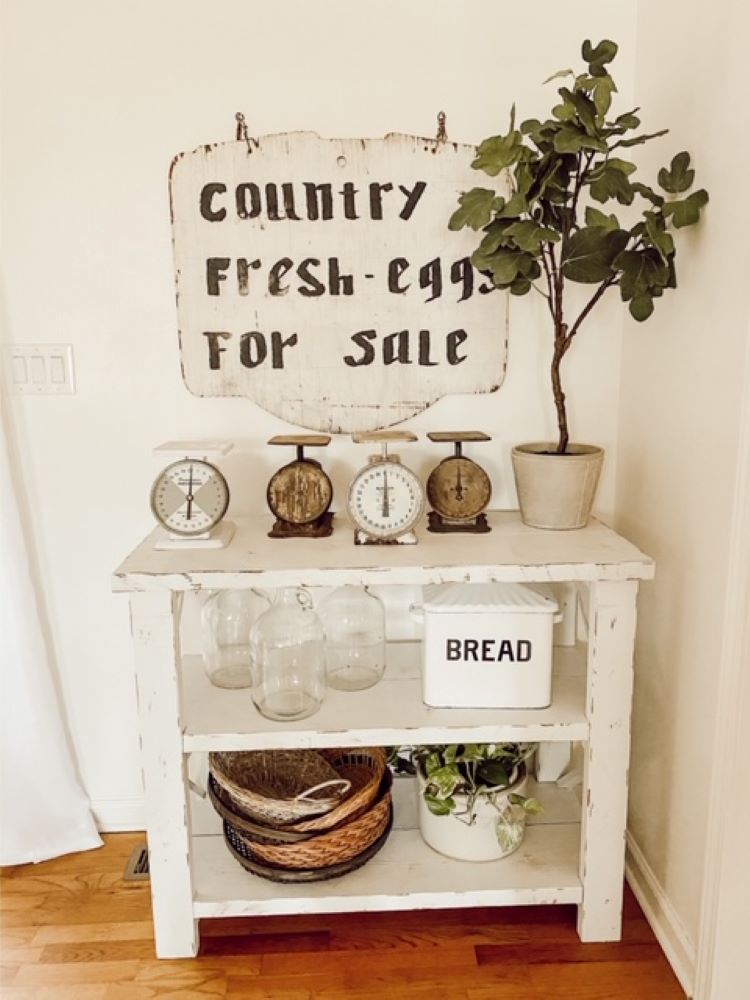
{"points": [[73, 930]]}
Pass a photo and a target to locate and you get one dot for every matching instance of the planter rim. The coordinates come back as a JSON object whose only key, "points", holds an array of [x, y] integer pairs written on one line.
{"points": [[546, 449]]}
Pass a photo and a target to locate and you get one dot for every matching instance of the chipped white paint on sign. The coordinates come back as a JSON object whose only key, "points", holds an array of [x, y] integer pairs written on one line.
{"points": [[319, 278]]}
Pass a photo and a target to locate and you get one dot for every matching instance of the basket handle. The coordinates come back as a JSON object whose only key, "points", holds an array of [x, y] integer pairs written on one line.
{"points": [[325, 784]]}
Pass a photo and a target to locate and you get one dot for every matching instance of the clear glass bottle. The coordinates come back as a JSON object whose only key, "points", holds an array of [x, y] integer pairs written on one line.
{"points": [[226, 619], [354, 624], [289, 658]]}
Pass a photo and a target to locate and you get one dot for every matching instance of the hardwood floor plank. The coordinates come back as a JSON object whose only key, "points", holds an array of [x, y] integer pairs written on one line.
{"points": [[134, 930], [72, 929]]}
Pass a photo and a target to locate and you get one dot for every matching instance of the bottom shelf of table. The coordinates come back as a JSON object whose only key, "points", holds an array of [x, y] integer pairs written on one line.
{"points": [[406, 874]]}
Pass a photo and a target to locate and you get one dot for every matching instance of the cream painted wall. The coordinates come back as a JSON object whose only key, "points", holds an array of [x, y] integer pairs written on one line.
{"points": [[682, 388], [97, 98]]}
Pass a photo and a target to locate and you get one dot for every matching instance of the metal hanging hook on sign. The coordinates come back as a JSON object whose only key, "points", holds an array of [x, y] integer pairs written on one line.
{"points": [[242, 132], [442, 135]]}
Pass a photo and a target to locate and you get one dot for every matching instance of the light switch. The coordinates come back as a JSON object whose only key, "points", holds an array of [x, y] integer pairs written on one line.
{"points": [[40, 369]]}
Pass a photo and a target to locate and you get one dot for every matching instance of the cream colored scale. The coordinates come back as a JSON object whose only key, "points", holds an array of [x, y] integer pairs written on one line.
{"points": [[386, 499]]}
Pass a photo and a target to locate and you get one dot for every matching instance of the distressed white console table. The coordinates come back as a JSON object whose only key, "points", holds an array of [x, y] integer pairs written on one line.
{"points": [[574, 854]]}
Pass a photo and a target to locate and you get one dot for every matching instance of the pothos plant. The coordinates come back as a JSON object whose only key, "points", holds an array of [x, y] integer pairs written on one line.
{"points": [[456, 776], [544, 232]]}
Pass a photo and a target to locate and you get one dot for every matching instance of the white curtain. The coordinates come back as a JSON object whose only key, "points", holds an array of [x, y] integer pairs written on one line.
{"points": [[43, 810]]}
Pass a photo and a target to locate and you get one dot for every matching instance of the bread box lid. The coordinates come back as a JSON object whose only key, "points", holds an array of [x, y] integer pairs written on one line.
{"points": [[452, 598]]}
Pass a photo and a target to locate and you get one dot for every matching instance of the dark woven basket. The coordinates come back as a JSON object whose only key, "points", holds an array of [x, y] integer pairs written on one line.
{"points": [[330, 847], [239, 852], [278, 787]]}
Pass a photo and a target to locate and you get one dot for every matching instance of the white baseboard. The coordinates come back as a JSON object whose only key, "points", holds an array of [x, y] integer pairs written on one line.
{"points": [[661, 915], [119, 815]]}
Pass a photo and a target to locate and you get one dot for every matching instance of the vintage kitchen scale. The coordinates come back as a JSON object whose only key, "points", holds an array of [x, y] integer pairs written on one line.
{"points": [[300, 493], [458, 489], [386, 499], [190, 496]]}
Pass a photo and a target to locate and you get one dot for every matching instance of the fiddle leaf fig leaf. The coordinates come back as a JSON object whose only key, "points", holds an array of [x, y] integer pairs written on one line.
{"points": [[603, 90], [678, 177], [588, 254], [520, 286], [687, 212], [646, 192], [584, 108], [476, 208], [498, 152], [512, 208], [598, 57]]}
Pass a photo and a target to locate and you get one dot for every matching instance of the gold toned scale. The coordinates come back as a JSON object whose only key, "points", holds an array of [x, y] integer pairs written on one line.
{"points": [[458, 489], [300, 493]]}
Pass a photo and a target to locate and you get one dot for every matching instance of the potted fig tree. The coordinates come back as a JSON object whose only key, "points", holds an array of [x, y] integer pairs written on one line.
{"points": [[472, 801], [540, 229]]}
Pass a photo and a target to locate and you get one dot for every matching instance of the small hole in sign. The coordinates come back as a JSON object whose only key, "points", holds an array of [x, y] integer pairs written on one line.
{"points": [[341, 161]]}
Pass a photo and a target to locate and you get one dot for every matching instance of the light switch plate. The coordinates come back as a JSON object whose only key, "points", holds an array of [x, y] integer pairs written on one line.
{"points": [[39, 369]]}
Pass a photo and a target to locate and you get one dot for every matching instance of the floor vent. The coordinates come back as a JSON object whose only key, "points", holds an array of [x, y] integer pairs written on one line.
{"points": [[136, 870]]}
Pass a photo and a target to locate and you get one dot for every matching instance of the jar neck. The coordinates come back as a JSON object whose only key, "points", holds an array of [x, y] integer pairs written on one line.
{"points": [[292, 597]]}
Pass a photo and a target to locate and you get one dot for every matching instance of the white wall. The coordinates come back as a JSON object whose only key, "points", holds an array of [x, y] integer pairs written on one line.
{"points": [[683, 380], [98, 97]]}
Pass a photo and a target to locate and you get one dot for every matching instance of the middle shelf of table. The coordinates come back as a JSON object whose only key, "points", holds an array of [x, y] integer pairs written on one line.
{"points": [[392, 712]]}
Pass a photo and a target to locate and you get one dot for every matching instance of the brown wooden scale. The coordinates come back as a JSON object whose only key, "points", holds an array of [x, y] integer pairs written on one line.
{"points": [[300, 493], [458, 489]]}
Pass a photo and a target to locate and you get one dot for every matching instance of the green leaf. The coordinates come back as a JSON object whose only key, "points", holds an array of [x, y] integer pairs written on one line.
{"points": [[532, 806], [641, 307], [603, 90], [642, 272], [560, 73], [598, 57], [624, 166], [638, 140], [495, 237], [596, 218], [572, 140], [588, 254], [529, 236], [493, 773], [687, 212], [498, 152], [502, 265], [520, 286], [609, 181], [476, 209], [646, 192], [659, 238], [439, 807], [678, 177], [628, 120], [516, 206], [444, 780], [584, 108]]}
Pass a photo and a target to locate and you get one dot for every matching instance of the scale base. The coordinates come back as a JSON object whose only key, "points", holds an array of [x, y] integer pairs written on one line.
{"points": [[218, 538], [445, 525], [362, 538], [321, 527]]}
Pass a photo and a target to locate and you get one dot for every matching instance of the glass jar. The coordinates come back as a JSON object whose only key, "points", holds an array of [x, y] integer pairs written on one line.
{"points": [[226, 619], [287, 648], [354, 624]]}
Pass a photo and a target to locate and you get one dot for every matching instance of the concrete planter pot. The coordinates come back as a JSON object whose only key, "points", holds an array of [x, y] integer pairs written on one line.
{"points": [[556, 491], [495, 829]]}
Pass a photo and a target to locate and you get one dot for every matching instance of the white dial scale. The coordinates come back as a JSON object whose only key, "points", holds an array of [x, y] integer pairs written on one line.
{"points": [[386, 499], [190, 497]]}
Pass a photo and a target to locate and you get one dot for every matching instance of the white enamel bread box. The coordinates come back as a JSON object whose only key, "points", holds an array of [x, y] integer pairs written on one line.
{"points": [[487, 645]]}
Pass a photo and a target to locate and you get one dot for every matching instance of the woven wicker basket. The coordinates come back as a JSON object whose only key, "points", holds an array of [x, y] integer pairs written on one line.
{"points": [[240, 823], [364, 768], [332, 847], [278, 786]]}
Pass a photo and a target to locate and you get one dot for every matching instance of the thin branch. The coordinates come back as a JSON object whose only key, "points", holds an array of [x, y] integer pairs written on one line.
{"points": [[589, 306]]}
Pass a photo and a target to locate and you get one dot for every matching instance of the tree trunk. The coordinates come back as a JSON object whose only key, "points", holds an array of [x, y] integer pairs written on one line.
{"points": [[562, 417]]}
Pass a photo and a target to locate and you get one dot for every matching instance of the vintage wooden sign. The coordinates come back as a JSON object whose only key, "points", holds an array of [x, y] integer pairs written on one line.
{"points": [[318, 277]]}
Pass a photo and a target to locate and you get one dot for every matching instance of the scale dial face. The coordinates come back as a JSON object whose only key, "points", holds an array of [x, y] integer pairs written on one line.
{"points": [[459, 489], [385, 500], [299, 492], [189, 497]]}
